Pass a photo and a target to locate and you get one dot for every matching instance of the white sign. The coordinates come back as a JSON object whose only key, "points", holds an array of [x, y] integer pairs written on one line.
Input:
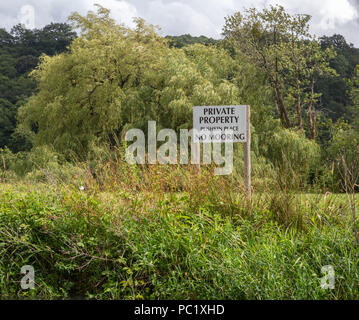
{"points": [[219, 124]]}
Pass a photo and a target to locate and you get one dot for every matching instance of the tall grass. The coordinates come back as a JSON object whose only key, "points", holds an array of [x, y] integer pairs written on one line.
{"points": [[107, 230], [164, 232]]}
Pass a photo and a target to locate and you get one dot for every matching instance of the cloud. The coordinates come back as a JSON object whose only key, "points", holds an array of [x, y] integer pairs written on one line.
{"points": [[47, 11], [178, 18], [197, 17], [122, 11], [327, 15], [207, 17]]}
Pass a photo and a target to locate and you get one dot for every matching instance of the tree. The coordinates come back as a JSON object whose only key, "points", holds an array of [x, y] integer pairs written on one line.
{"points": [[7, 111], [19, 54], [114, 78], [304, 62], [54, 38], [258, 35], [6, 39], [187, 39], [280, 45], [335, 100], [354, 93]]}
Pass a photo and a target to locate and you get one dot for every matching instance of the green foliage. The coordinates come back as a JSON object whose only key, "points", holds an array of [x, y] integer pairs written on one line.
{"points": [[336, 100], [130, 246], [95, 227], [19, 54], [115, 78], [41, 164], [281, 47], [187, 39], [354, 93], [7, 116], [295, 157], [344, 147]]}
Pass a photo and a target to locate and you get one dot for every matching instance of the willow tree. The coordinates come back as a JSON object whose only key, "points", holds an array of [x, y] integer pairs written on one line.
{"points": [[114, 78], [83, 93]]}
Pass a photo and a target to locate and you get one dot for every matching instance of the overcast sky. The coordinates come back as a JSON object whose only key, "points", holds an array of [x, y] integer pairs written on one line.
{"points": [[197, 17]]}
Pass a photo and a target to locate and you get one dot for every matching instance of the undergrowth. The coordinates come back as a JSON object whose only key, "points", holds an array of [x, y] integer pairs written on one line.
{"points": [[167, 233]]}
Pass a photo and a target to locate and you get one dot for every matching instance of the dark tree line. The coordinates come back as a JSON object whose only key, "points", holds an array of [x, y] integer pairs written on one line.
{"points": [[20, 50], [336, 99], [187, 39]]}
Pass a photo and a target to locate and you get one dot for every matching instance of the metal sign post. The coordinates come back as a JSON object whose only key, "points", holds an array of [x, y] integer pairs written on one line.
{"points": [[247, 156], [197, 157]]}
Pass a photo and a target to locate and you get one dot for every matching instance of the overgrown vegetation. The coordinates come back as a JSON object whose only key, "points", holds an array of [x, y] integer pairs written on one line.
{"points": [[130, 237]]}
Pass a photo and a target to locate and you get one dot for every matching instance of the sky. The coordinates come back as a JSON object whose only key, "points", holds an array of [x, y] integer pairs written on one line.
{"points": [[176, 17]]}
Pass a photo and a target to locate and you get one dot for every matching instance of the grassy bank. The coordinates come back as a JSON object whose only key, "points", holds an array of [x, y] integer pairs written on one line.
{"points": [[120, 244]]}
